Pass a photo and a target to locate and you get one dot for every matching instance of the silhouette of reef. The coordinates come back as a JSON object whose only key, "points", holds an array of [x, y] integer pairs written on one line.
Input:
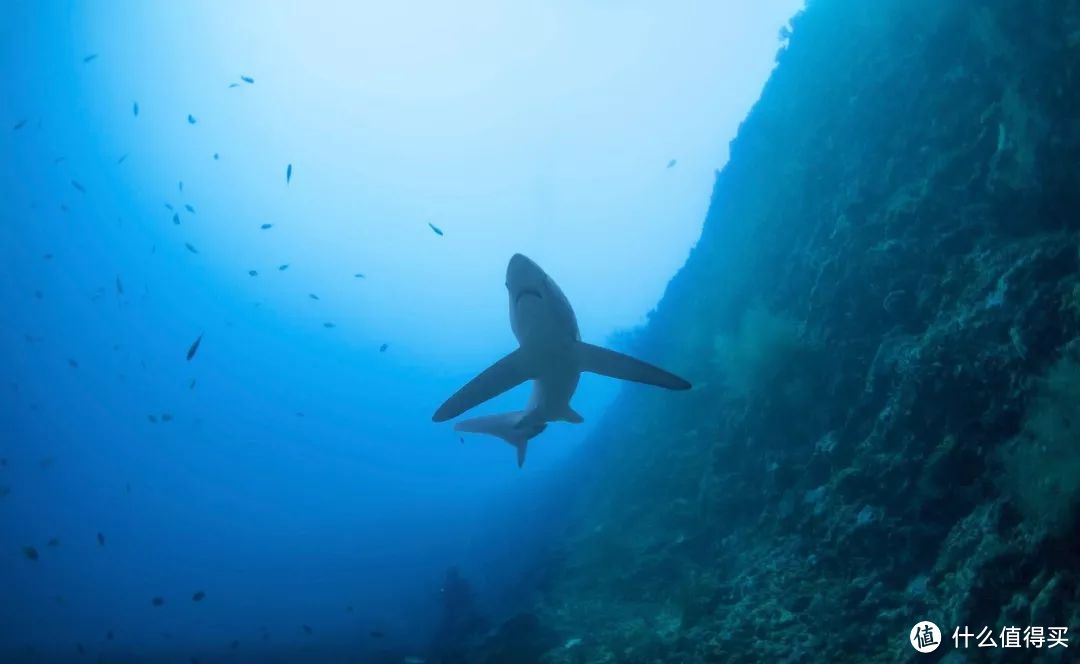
{"points": [[882, 323]]}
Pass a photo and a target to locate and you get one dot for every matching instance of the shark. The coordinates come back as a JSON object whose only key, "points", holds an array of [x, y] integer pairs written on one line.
{"points": [[551, 354]]}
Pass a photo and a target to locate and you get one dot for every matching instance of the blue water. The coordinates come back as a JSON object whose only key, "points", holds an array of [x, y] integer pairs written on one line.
{"points": [[290, 470]]}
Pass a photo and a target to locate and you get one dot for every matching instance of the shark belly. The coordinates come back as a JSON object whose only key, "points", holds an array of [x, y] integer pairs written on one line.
{"points": [[556, 379]]}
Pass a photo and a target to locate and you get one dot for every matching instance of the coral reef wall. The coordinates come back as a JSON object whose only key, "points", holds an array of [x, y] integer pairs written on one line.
{"points": [[881, 320]]}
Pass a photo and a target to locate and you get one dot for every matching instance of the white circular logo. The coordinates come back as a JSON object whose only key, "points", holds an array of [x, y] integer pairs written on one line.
{"points": [[925, 636]]}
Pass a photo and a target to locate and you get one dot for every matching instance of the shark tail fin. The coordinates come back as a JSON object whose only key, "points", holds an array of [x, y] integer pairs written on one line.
{"points": [[611, 363], [507, 426]]}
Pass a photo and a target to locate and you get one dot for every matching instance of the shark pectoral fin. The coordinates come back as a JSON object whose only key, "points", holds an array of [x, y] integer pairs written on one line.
{"points": [[607, 362], [506, 374]]}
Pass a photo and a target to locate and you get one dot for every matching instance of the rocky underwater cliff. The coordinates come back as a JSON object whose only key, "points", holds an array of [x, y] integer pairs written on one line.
{"points": [[882, 323]]}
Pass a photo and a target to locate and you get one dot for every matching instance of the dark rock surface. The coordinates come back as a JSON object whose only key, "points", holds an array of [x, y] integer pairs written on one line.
{"points": [[881, 320]]}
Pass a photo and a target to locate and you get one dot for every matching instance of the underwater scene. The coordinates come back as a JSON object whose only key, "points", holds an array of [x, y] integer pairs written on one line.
{"points": [[540, 332]]}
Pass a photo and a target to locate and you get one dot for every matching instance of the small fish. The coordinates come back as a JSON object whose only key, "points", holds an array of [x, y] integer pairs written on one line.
{"points": [[109, 635], [349, 609], [191, 386], [20, 124], [38, 294], [47, 257], [122, 158], [307, 629], [53, 541], [234, 85], [30, 552], [253, 273], [462, 439], [79, 649], [313, 296], [194, 348], [90, 58], [101, 539], [78, 187], [216, 156], [283, 267], [299, 414], [169, 207], [360, 275], [328, 325], [180, 185], [63, 208], [382, 348], [135, 108], [198, 597], [188, 207], [152, 418], [288, 174], [671, 164], [191, 248], [438, 231], [73, 363], [59, 160], [176, 218], [119, 286], [376, 634], [157, 601], [266, 227], [247, 79], [191, 119], [166, 417]]}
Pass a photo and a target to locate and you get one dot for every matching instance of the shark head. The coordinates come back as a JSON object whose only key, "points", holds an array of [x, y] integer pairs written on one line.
{"points": [[524, 279], [538, 307]]}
